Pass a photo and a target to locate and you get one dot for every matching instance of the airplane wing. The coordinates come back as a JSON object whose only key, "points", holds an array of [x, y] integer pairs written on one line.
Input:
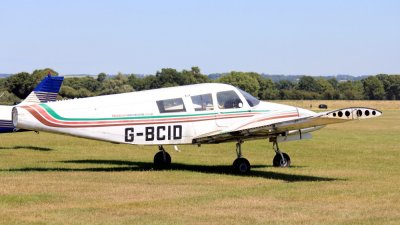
{"points": [[264, 126]]}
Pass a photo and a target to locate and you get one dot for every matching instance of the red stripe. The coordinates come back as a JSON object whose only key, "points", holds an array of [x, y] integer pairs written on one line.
{"points": [[42, 115]]}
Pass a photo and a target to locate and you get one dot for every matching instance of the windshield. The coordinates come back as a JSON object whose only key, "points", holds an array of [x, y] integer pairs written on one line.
{"points": [[228, 100], [249, 98]]}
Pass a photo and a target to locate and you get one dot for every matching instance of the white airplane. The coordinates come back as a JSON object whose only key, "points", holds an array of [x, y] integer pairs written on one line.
{"points": [[45, 91], [194, 114]]}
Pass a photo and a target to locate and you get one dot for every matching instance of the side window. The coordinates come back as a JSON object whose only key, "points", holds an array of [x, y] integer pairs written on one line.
{"points": [[228, 100], [171, 105], [202, 102]]}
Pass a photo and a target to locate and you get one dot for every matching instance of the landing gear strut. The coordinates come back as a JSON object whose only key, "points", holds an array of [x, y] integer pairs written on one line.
{"points": [[240, 165], [162, 159], [281, 159]]}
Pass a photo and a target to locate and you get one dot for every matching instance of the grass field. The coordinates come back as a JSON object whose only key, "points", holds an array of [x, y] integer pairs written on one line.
{"points": [[347, 174]]}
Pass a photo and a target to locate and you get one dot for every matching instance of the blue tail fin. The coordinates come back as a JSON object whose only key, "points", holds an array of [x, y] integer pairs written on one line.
{"points": [[45, 91]]}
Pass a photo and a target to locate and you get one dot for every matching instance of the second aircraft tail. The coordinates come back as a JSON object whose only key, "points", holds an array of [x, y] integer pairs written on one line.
{"points": [[45, 91]]}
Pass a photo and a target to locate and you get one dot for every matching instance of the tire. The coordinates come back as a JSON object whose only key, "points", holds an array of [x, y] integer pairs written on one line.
{"points": [[277, 161], [241, 166], [160, 162]]}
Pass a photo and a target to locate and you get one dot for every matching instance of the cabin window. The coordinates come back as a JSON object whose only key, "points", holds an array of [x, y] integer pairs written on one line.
{"points": [[249, 98], [171, 105], [228, 100], [203, 102]]}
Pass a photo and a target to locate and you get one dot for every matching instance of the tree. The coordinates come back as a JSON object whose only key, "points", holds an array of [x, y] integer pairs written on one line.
{"points": [[391, 84], [351, 90], [267, 89], [68, 92], [134, 81], [200, 78], [115, 85], [188, 77], [326, 89], [242, 80], [21, 84], [308, 83], [334, 83], [86, 82], [393, 91], [38, 75], [285, 85], [101, 77], [373, 88], [147, 83], [8, 98], [169, 77]]}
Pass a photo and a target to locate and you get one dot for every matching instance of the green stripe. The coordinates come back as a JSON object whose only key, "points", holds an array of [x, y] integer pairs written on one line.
{"points": [[58, 117]]}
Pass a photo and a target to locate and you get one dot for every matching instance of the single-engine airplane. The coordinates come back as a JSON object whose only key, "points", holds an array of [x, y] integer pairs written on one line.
{"points": [[194, 114], [45, 91]]}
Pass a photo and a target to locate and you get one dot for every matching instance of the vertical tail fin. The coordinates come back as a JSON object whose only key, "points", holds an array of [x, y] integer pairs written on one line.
{"points": [[45, 91]]}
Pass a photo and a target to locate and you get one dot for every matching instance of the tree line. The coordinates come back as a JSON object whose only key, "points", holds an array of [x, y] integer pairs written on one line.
{"points": [[379, 87]]}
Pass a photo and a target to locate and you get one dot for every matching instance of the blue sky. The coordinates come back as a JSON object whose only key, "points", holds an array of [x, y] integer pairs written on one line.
{"points": [[310, 37]]}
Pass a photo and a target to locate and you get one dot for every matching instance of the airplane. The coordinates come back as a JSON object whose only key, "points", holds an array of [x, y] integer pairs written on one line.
{"points": [[45, 91], [197, 114]]}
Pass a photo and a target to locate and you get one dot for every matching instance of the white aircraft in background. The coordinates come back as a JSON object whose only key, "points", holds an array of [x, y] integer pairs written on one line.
{"points": [[45, 91], [194, 114]]}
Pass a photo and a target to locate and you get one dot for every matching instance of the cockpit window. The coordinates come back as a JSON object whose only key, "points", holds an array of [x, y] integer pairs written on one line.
{"points": [[228, 100], [202, 102], [249, 98], [171, 105]]}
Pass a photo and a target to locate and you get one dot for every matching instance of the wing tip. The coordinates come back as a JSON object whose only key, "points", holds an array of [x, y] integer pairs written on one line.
{"points": [[354, 113]]}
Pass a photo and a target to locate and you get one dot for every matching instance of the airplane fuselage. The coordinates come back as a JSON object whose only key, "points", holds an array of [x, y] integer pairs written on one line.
{"points": [[155, 117]]}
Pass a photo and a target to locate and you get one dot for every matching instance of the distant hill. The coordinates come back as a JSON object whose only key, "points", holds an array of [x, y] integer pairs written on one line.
{"points": [[3, 75], [339, 77], [214, 76], [294, 78], [78, 75]]}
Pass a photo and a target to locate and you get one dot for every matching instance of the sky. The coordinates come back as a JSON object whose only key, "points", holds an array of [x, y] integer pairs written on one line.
{"points": [[310, 37]]}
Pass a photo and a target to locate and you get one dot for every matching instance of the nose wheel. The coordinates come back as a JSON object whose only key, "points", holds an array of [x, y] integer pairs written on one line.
{"points": [[162, 159], [281, 159], [240, 165]]}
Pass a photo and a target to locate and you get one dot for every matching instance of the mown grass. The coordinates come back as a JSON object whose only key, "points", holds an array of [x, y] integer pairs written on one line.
{"points": [[348, 174]]}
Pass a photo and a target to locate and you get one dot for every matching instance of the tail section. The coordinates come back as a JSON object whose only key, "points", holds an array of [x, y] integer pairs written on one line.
{"points": [[45, 91]]}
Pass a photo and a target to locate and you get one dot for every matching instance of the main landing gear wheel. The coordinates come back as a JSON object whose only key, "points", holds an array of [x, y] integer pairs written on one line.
{"points": [[281, 159], [162, 159], [240, 165], [278, 161]]}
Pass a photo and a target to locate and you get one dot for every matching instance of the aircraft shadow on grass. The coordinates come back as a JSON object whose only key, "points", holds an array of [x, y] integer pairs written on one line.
{"points": [[34, 148], [146, 166]]}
